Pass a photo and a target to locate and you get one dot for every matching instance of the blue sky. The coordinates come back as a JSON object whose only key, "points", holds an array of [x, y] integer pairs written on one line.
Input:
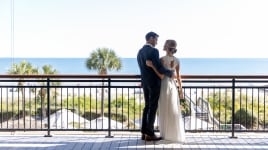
{"points": [[73, 28]]}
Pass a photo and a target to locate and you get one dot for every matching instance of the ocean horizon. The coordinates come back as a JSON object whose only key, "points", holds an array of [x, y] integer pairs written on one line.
{"points": [[189, 66]]}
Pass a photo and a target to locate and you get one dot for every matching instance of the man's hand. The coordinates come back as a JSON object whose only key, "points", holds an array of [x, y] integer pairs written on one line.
{"points": [[149, 63], [173, 75]]}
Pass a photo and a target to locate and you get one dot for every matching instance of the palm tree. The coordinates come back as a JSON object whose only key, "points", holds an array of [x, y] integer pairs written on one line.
{"points": [[23, 68], [102, 60], [48, 70]]}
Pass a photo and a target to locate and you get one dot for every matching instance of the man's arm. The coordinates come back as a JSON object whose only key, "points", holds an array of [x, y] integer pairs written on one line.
{"points": [[158, 65], [150, 64]]}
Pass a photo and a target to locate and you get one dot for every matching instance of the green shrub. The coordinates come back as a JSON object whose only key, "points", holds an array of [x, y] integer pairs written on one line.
{"points": [[245, 118]]}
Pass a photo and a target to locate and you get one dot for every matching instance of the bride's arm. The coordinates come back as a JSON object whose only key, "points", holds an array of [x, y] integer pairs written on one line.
{"points": [[179, 81], [150, 64]]}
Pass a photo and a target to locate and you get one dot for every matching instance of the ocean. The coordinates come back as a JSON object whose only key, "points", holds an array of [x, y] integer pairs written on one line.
{"points": [[189, 66]]}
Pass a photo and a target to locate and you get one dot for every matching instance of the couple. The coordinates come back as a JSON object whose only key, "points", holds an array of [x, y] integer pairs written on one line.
{"points": [[159, 86]]}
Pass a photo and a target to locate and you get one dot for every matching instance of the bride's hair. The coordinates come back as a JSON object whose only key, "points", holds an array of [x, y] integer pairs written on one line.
{"points": [[170, 44]]}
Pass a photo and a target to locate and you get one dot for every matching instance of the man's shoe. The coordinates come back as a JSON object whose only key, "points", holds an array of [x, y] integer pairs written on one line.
{"points": [[143, 137], [152, 138]]}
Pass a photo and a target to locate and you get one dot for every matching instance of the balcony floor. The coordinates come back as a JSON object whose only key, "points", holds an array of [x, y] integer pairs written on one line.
{"points": [[128, 140]]}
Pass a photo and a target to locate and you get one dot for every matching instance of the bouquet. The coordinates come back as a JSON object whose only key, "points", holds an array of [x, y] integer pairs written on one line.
{"points": [[185, 111]]}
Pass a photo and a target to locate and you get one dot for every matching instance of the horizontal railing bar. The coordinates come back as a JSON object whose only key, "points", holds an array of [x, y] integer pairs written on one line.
{"points": [[136, 76], [69, 76]]}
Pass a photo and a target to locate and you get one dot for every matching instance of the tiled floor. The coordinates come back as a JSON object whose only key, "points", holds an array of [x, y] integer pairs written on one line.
{"points": [[130, 140]]}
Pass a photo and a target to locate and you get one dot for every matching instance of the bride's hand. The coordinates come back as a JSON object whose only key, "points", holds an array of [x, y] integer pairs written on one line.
{"points": [[181, 96], [149, 63]]}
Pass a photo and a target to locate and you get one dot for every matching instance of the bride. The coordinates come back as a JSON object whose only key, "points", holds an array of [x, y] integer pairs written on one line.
{"points": [[170, 119]]}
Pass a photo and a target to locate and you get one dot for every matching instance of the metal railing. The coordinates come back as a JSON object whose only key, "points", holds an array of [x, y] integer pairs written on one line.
{"points": [[115, 103]]}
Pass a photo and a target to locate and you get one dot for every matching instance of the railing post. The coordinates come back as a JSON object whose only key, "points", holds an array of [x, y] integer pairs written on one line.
{"points": [[233, 107], [109, 109], [48, 109]]}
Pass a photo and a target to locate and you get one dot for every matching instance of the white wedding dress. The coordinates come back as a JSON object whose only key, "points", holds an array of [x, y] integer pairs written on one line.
{"points": [[170, 120]]}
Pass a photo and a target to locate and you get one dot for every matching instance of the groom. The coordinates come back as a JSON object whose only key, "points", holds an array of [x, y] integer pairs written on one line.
{"points": [[151, 84]]}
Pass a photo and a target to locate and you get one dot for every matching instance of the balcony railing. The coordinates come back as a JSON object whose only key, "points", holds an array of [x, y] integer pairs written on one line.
{"points": [[115, 103]]}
